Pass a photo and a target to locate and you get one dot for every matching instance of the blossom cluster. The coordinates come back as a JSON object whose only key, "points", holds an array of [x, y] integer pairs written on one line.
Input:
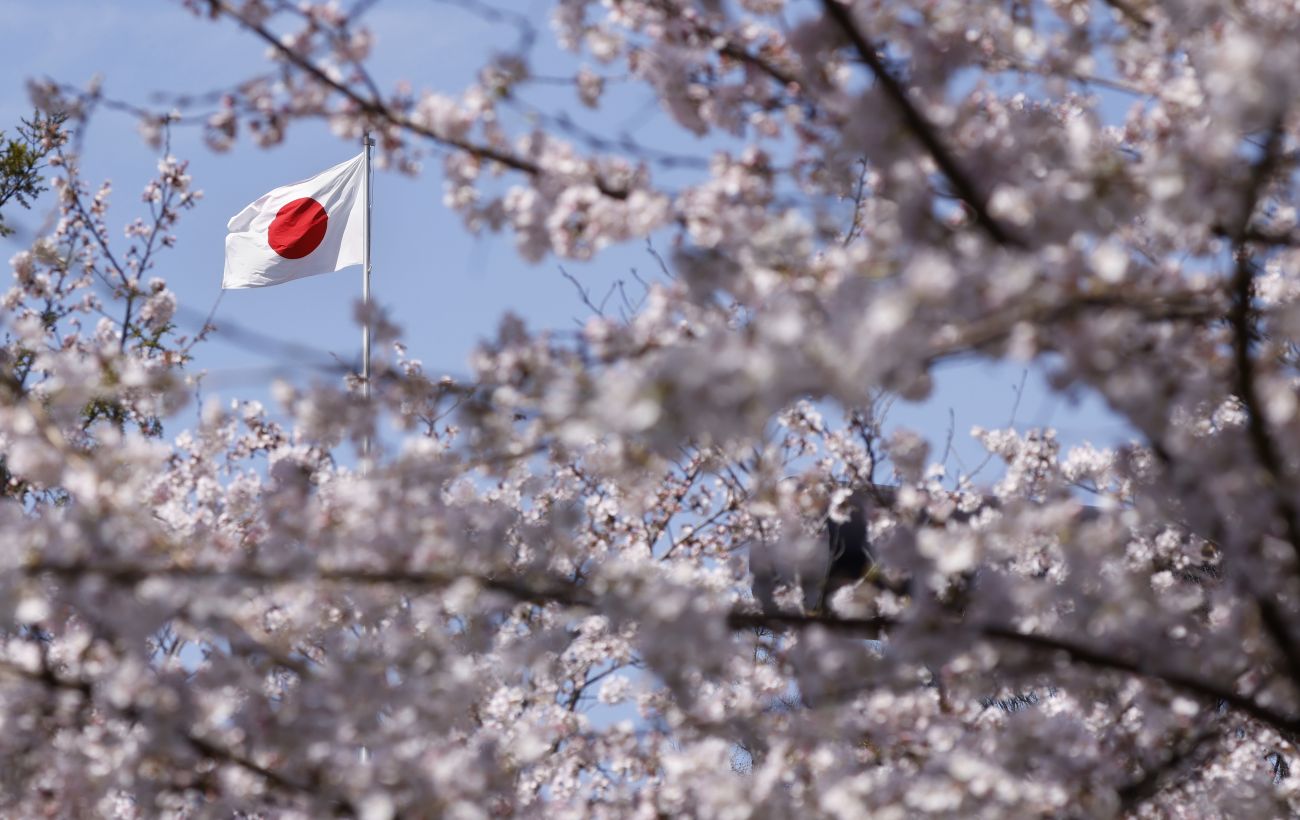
{"points": [[592, 578]]}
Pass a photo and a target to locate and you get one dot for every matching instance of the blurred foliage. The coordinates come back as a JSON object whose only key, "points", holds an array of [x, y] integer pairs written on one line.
{"points": [[22, 159]]}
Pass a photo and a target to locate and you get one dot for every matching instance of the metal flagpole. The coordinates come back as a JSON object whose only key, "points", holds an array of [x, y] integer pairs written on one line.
{"points": [[365, 300], [364, 753]]}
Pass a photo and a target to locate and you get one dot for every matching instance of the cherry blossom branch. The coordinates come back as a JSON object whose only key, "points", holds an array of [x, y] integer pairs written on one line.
{"points": [[1246, 388], [1247, 391], [526, 589], [922, 128], [1004, 62], [1272, 237], [1145, 787], [52, 680], [375, 108], [1156, 308], [1096, 658], [542, 591], [565, 124], [1075, 651], [872, 628], [1129, 13], [724, 45], [222, 754]]}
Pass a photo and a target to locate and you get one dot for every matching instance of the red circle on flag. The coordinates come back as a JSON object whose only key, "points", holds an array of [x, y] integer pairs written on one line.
{"points": [[298, 228]]}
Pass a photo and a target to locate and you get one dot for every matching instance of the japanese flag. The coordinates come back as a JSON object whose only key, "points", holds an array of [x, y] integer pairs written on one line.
{"points": [[309, 227]]}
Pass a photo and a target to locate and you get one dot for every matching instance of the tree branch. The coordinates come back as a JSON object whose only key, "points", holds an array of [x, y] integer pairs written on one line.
{"points": [[1142, 789], [1076, 652], [538, 589], [51, 680], [922, 128], [1246, 389], [1131, 14], [542, 591], [377, 109]]}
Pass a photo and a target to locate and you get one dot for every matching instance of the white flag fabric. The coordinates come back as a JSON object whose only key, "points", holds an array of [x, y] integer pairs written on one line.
{"points": [[309, 227]]}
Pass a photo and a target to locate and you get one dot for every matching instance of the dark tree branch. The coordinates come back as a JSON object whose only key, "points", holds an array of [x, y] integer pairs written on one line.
{"points": [[53, 681], [376, 108], [872, 628], [728, 48], [539, 590], [1246, 389], [1074, 651], [1240, 317], [921, 128], [1090, 656], [1142, 789], [1131, 14]]}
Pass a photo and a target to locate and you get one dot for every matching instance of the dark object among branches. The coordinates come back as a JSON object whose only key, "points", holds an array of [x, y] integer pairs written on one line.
{"points": [[847, 557]]}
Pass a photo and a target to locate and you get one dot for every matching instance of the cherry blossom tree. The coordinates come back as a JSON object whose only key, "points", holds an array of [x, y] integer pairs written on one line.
{"points": [[592, 578]]}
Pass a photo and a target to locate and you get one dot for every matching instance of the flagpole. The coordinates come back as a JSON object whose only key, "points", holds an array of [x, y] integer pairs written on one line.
{"points": [[365, 300]]}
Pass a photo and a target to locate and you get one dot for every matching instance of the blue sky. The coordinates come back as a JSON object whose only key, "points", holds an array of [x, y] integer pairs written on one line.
{"points": [[447, 289]]}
